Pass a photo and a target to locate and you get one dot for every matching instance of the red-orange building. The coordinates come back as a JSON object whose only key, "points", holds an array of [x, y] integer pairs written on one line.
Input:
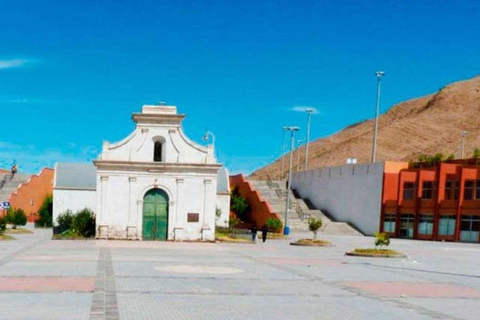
{"points": [[29, 196], [439, 203]]}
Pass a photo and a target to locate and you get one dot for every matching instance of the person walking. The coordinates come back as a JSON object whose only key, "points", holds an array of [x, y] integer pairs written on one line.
{"points": [[254, 234], [264, 233]]}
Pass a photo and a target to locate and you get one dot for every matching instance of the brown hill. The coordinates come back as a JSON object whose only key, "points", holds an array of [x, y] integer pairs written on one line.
{"points": [[425, 125]]}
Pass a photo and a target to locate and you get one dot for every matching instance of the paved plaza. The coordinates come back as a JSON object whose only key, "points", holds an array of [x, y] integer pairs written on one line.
{"points": [[45, 279]]}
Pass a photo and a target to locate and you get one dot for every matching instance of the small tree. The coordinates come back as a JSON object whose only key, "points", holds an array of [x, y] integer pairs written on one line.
{"points": [[65, 220], [84, 223], [17, 218], [314, 225], [232, 223], [381, 239], [476, 155], [274, 225], [45, 212], [239, 204]]}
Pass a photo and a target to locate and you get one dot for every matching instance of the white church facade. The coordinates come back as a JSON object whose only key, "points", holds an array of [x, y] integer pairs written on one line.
{"points": [[155, 184]]}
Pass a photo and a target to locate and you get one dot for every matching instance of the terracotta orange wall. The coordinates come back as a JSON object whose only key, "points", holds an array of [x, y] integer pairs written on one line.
{"points": [[260, 209], [30, 195]]}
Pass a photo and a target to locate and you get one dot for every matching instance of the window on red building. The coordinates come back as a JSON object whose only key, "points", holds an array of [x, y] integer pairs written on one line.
{"points": [[408, 190], [469, 228], [477, 190], [468, 190], [425, 224], [428, 189], [389, 223], [451, 190], [446, 225]]}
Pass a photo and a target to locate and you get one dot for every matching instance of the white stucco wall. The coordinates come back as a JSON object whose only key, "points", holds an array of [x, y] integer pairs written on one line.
{"points": [[350, 193], [223, 203], [74, 200], [126, 171]]}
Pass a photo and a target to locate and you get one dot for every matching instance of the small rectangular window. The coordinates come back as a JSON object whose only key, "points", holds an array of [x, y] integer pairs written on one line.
{"points": [[428, 189], [389, 221], [477, 190], [408, 190], [425, 224], [446, 225], [469, 228], [468, 190], [451, 190]]}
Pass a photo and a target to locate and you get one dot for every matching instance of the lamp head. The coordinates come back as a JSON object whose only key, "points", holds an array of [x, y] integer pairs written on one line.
{"points": [[379, 74]]}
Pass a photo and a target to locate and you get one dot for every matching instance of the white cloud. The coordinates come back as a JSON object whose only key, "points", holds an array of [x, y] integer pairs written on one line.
{"points": [[14, 63], [304, 109]]}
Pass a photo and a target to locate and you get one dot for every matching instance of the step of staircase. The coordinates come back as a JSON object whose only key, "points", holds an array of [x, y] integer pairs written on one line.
{"points": [[11, 185], [296, 224]]}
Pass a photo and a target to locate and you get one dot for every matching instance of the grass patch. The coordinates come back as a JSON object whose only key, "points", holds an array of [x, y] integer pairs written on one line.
{"points": [[371, 252], [311, 242], [18, 231], [69, 235], [274, 236], [6, 237], [224, 235]]}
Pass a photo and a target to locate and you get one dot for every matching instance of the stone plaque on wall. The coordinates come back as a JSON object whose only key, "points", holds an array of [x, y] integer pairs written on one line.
{"points": [[193, 217]]}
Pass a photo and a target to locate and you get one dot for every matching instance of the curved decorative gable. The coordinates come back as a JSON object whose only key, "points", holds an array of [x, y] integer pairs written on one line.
{"points": [[158, 137]]}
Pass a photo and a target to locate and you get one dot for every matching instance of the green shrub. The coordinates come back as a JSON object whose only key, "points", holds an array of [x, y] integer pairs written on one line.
{"points": [[45, 212], [232, 223], [3, 225], [239, 205], [381, 239], [10, 216], [314, 225], [274, 225], [65, 220], [84, 223], [16, 217]]}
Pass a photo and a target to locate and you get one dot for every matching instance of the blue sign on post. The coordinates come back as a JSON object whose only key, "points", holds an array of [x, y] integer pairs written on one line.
{"points": [[5, 205]]}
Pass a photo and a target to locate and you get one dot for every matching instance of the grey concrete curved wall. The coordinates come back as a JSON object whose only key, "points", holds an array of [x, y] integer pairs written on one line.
{"points": [[350, 193]]}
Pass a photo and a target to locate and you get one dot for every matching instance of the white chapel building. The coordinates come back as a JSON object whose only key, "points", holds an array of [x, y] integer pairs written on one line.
{"points": [[155, 184]]}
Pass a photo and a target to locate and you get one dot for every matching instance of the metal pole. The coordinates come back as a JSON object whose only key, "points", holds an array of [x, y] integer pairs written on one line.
{"points": [[379, 75], [464, 134], [289, 177], [298, 154], [283, 152], [309, 113]]}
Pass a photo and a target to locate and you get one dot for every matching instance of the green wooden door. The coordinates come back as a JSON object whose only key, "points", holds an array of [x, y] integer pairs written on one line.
{"points": [[155, 215]]}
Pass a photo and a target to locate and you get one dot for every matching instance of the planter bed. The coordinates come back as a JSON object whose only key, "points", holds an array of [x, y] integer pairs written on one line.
{"points": [[311, 243], [376, 253]]}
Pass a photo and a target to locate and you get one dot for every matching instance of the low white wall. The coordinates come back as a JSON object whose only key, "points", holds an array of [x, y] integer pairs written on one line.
{"points": [[223, 203], [73, 200], [350, 193]]}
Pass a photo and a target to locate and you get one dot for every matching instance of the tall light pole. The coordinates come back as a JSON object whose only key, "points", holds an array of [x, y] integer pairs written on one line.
{"points": [[464, 134], [292, 142], [283, 151], [299, 142], [379, 75], [309, 112]]}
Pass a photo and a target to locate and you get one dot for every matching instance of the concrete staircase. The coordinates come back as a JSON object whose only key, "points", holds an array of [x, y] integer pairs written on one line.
{"points": [[299, 211], [11, 184]]}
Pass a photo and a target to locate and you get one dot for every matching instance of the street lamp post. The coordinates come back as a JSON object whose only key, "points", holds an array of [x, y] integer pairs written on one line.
{"points": [[379, 75], [292, 142], [309, 112], [299, 142], [283, 152], [464, 134]]}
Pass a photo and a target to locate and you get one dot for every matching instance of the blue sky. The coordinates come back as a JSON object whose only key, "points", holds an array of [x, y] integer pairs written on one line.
{"points": [[72, 72]]}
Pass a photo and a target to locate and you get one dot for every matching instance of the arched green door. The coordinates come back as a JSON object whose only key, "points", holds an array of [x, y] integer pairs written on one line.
{"points": [[155, 215]]}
